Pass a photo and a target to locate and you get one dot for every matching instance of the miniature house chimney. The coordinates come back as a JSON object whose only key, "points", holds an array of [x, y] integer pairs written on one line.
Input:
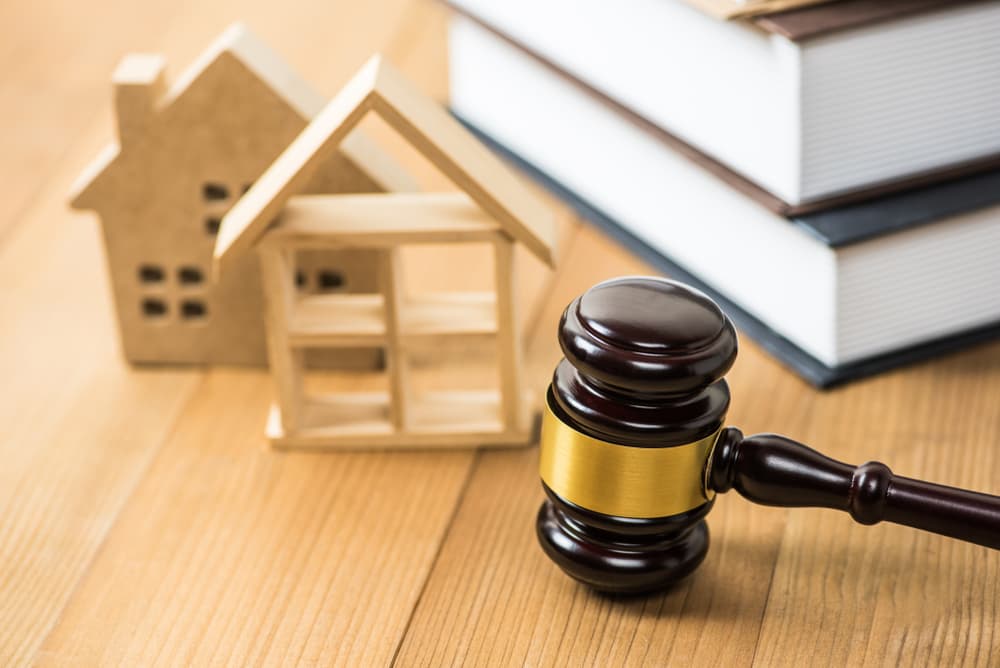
{"points": [[139, 84]]}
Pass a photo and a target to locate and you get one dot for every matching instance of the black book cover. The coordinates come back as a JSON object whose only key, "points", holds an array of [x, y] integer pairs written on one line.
{"points": [[892, 213]]}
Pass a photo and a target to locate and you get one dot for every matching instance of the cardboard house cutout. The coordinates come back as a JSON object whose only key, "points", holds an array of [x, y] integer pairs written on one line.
{"points": [[182, 158], [279, 222]]}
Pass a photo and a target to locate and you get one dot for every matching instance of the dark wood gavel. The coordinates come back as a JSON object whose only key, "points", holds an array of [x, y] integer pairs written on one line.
{"points": [[633, 448]]}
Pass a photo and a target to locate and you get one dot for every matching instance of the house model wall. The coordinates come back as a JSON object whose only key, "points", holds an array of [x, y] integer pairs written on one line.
{"points": [[183, 157]]}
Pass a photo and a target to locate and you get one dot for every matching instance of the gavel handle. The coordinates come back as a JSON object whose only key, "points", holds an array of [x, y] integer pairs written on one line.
{"points": [[777, 471]]}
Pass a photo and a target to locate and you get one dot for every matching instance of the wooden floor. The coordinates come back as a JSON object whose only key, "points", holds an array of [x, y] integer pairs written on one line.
{"points": [[143, 521]]}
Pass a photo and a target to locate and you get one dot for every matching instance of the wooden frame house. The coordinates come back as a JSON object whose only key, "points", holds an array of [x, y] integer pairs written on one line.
{"points": [[491, 206], [183, 156]]}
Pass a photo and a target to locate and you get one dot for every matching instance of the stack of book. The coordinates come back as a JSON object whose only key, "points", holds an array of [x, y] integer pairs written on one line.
{"points": [[830, 173]]}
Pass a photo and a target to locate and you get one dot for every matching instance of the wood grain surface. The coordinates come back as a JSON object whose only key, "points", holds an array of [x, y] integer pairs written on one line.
{"points": [[144, 522]]}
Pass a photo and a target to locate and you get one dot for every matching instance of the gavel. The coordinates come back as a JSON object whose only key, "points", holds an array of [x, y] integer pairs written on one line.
{"points": [[633, 447]]}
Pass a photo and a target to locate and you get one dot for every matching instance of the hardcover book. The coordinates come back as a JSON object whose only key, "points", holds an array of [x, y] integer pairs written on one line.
{"points": [[815, 107], [836, 294]]}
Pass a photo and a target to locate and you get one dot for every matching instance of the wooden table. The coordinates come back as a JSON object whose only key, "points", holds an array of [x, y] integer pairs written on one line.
{"points": [[144, 522]]}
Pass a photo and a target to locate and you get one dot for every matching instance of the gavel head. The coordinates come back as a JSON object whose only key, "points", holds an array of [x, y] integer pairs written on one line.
{"points": [[633, 412]]}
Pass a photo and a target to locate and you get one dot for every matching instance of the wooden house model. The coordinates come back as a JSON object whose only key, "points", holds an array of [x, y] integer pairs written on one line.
{"points": [[182, 157], [277, 220]]}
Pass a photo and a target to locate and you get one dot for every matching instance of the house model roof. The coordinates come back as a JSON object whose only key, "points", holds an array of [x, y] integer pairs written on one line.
{"points": [[378, 87], [237, 41]]}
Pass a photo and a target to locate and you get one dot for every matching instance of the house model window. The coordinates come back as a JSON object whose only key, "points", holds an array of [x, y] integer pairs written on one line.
{"points": [[329, 280], [154, 308], [193, 309], [190, 276], [149, 273], [215, 192]]}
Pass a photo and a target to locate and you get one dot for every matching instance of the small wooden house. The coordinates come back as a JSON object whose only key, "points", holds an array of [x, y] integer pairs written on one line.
{"points": [[183, 156], [491, 206]]}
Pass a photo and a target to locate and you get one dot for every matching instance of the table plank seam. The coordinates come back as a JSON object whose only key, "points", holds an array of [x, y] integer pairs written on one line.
{"points": [[470, 471], [151, 458], [10, 227], [767, 597]]}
